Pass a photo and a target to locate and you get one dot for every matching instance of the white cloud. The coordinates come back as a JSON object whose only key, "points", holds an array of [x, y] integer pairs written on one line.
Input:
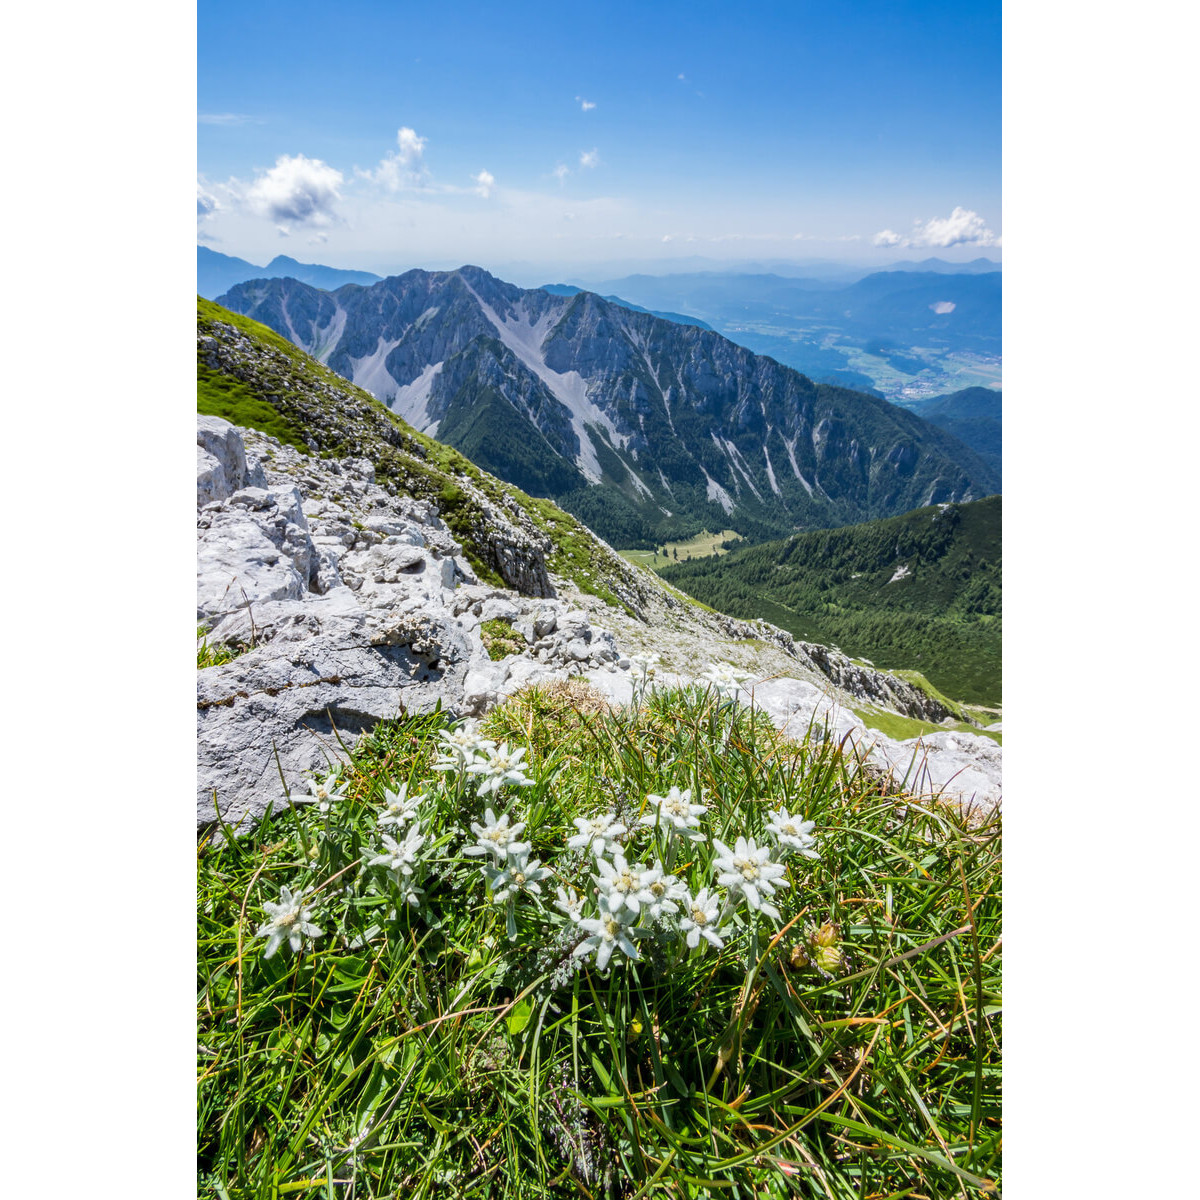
{"points": [[586, 105], [412, 146], [963, 227], [561, 172], [206, 202], [485, 179], [942, 307], [402, 167], [223, 118], [668, 237], [589, 158], [296, 190]]}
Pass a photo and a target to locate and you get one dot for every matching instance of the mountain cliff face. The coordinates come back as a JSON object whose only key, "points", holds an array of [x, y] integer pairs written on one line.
{"points": [[645, 429]]}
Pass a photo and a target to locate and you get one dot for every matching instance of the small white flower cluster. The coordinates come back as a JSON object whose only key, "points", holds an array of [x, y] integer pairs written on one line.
{"points": [[511, 874], [724, 678], [626, 900], [631, 898], [465, 751]]}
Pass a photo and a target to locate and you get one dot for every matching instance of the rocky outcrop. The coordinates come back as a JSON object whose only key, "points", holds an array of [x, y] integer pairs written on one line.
{"points": [[349, 604]]}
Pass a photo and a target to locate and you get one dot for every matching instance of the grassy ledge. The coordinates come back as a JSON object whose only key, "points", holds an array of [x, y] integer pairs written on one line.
{"points": [[386, 1009]]}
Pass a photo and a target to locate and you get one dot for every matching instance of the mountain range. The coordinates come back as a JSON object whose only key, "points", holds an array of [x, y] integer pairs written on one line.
{"points": [[645, 429], [217, 273], [902, 333], [972, 415]]}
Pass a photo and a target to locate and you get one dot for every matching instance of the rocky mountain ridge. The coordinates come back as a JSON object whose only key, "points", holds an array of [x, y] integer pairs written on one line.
{"points": [[645, 429], [349, 599]]}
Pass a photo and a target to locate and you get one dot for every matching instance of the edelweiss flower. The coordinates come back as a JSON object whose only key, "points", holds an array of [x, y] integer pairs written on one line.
{"points": [[570, 903], [401, 807], [326, 791], [460, 747], [518, 875], [663, 890], [621, 885], [701, 913], [497, 838], [610, 930], [748, 869], [501, 766], [724, 678], [399, 857], [600, 833], [643, 666], [675, 813], [793, 832], [289, 920]]}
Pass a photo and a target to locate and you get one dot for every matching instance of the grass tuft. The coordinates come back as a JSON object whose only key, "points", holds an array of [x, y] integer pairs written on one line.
{"points": [[849, 1048]]}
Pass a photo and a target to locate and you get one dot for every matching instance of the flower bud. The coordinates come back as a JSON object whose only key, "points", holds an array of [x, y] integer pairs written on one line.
{"points": [[829, 959], [827, 935]]}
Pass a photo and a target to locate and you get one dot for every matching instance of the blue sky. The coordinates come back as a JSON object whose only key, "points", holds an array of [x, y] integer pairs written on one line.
{"points": [[386, 136]]}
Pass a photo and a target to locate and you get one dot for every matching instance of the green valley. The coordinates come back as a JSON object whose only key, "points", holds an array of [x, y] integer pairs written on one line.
{"points": [[918, 591]]}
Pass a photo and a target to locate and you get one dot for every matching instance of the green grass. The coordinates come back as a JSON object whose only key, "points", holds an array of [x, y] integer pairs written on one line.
{"points": [[700, 546], [849, 1049], [214, 656], [499, 639], [901, 728]]}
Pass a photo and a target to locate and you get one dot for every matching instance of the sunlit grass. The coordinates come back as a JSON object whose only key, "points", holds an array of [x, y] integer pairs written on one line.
{"points": [[849, 1049]]}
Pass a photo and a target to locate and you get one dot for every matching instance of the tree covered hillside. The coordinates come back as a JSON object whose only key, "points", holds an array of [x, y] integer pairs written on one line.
{"points": [[920, 591]]}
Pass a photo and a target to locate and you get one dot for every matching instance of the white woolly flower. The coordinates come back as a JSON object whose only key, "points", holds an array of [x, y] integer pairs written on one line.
{"points": [[289, 922], [399, 857], [401, 807], [497, 837], [700, 915], [748, 869], [675, 813], [724, 678], [663, 889], [569, 902], [793, 832], [459, 748], [621, 884], [601, 834], [518, 875], [326, 791], [501, 766], [608, 932], [642, 667]]}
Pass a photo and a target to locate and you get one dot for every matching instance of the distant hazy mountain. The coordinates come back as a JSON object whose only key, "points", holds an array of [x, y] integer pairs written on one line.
{"points": [[977, 266], [567, 289], [972, 415], [645, 429], [217, 273]]}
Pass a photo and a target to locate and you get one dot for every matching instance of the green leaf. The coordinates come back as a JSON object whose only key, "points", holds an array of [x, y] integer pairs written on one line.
{"points": [[519, 1017]]}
